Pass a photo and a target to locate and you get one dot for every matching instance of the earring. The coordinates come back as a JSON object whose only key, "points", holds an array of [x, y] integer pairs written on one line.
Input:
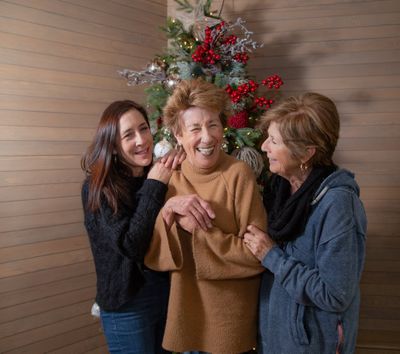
{"points": [[303, 167], [115, 158]]}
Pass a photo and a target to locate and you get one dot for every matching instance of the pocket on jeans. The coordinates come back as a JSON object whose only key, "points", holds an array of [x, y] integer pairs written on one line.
{"points": [[297, 324]]}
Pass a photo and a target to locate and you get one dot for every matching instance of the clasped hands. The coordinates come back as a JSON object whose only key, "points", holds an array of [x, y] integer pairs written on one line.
{"points": [[189, 211]]}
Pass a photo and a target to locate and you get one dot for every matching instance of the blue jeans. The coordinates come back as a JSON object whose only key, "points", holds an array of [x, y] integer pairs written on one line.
{"points": [[138, 327]]}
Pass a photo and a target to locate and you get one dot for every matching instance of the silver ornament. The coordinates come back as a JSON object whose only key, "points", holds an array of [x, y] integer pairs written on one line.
{"points": [[162, 148]]}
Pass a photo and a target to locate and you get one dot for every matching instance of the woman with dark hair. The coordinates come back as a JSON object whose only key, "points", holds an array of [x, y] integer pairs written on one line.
{"points": [[314, 249], [122, 196]]}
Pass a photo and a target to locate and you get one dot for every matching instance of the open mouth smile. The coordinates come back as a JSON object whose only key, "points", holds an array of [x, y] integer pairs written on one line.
{"points": [[206, 151], [142, 152]]}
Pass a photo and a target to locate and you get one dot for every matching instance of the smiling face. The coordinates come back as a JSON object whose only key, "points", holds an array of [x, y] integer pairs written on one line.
{"points": [[201, 135], [281, 160], [135, 141]]}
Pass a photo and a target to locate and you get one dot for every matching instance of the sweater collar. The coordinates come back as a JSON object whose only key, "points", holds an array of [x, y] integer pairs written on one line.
{"points": [[204, 174]]}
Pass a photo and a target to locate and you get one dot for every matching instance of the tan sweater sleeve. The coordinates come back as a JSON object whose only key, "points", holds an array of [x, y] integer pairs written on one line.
{"points": [[165, 252], [220, 255]]}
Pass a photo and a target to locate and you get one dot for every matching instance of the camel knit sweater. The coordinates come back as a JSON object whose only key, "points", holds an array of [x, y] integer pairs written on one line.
{"points": [[214, 277]]}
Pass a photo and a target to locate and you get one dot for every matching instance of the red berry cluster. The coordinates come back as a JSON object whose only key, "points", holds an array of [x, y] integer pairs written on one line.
{"points": [[262, 102], [208, 52], [241, 57], [273, 81], [220, 26], [204, 53], [242, 91], [253, 85], [230, 40], [239, 120]]}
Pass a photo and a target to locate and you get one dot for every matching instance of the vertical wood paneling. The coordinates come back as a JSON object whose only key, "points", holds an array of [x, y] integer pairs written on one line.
{"points": [[58, 71], [350, 51]]}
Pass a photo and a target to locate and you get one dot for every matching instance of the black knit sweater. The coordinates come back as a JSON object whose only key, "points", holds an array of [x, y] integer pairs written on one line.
{"points": [[119, 242]]}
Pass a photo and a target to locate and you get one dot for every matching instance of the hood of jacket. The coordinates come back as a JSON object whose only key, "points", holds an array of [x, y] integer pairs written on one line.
{"points": [[342, 179]]}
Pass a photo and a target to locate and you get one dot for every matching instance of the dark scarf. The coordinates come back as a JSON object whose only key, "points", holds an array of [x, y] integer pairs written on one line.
{"points": [[288, 214]]}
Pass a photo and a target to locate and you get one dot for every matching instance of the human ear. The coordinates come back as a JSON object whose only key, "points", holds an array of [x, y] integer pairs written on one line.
{"points": [[310, 152], [178, 134], [178, 138]]}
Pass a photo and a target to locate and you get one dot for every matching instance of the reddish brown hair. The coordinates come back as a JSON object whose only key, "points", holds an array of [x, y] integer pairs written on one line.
{"points": [[195, 93]]}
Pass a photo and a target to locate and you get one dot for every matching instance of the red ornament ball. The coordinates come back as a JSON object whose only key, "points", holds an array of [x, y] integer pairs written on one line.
{"points": [[239, 120]]}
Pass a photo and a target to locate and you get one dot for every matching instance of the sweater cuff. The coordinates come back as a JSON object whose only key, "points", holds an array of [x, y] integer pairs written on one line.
{"points": [[155, 188], [273, 259]]}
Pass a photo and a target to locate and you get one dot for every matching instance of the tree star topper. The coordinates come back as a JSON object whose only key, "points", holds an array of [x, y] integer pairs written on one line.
{"points": [[197, 19]]}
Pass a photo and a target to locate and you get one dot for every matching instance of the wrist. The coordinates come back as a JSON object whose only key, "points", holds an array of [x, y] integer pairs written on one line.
{"points": [[168, 217], [166, 212]]}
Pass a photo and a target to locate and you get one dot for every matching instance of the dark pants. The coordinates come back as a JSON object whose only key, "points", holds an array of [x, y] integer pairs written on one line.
{"points": [[138, 327]]}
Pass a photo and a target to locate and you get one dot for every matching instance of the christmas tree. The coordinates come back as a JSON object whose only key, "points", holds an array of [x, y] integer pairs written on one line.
{"points": [[202, 44]]}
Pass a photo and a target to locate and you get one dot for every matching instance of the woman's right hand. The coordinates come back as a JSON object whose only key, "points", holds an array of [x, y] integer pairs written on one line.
{"points": [[193, 211], [162, 168], [160, 172], [258, 242]]}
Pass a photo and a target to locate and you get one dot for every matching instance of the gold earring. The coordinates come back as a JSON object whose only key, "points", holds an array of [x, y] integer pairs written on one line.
{"points": [[303, 167]]}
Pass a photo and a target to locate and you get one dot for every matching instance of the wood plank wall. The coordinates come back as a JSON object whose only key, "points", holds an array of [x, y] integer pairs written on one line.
{"points": [[58, 63], [350, 51], [58, 71]]}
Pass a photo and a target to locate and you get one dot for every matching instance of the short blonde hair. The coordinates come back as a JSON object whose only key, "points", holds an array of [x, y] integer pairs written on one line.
{"points": [[195, 93], [307, 120]]}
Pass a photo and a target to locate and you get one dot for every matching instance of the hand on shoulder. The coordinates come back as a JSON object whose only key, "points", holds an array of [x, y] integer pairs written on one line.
{"points": [[162, 168]]}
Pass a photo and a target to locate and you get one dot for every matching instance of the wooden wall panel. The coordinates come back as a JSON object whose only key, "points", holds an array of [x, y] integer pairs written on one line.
{"points": [[58, 71], [58, 64], [350, 51]]}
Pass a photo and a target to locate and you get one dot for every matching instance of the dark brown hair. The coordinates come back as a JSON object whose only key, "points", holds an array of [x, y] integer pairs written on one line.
{"points": [[106, 171]]}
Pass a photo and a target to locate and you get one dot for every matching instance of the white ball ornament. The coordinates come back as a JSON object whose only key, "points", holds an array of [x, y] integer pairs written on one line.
{"points": [[162, 148]]}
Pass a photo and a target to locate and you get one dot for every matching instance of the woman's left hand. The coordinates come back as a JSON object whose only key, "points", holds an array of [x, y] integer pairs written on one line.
{"points": [[258, 242]]}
